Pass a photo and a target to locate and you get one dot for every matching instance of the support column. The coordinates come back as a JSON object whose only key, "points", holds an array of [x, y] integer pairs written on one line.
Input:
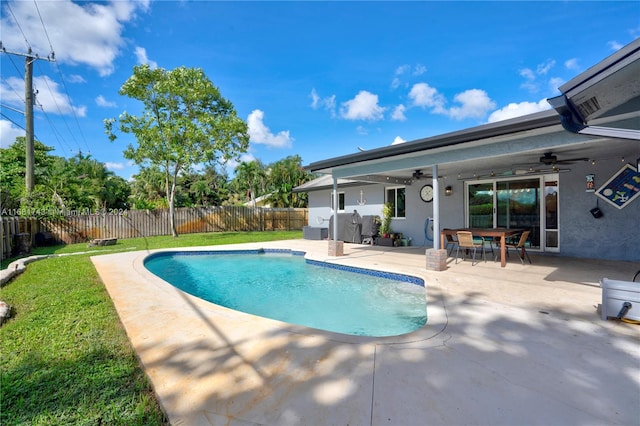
{"points": [[336, 248], [436, 258]]}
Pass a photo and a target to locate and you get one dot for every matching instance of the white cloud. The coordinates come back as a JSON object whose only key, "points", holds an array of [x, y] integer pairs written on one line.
{"points": [[614, 45], [75, 78], [364, 106], [80, 33], [8, 133], [475, 103], [101, 101], [397, 140], [141, 56], [572, 64], [532, 78], [419, 70], [260, 134], [544, 68], [361, 130], [49, 97], [415, 71], [53, 101], [402, 69], [398, 113], [426, 96], [114, 166], [231, 165], [554, 83], [328, 103], [518, 109]]}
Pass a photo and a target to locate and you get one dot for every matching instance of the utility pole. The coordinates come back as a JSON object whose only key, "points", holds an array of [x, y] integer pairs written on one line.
{"points": [[29, 100]]}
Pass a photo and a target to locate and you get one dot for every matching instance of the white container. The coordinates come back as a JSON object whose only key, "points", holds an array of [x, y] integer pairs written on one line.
{"points": [[615, 293]]}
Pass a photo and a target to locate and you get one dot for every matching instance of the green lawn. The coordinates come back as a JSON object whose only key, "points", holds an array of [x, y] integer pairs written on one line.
{"points": [[65, 356]]}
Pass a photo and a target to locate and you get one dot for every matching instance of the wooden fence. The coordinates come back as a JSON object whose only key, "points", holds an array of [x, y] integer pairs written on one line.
{"points": [[147, 223]]}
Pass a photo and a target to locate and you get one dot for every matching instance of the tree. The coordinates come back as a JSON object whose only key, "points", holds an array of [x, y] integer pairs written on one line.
{"points": [[284, 175], [185, 121], [250, 180], [12, 171]]}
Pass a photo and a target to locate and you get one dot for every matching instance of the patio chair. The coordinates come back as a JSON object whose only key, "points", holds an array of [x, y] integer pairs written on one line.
{"points": [[465, 242], [450, 242], [519, 246]]}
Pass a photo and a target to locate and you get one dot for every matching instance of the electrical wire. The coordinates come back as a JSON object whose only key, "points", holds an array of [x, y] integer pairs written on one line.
{"points": [[18, 25], [43, 27], [14, 123]]}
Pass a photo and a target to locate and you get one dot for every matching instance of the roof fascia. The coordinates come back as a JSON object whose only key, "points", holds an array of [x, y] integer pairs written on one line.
{"points": [[602, 88], [486, 131]]}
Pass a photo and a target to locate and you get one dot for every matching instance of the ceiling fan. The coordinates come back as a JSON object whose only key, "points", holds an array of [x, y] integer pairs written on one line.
{"points": [[417, 174], [549, 159]]}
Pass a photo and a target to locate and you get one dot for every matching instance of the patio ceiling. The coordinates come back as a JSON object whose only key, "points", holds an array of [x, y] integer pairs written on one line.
{"points": [[501, 153]]}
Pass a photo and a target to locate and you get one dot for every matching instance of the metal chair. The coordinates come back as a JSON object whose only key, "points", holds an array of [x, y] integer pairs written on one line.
{"points": [[520, 246], [450, 241], [465, 242]]}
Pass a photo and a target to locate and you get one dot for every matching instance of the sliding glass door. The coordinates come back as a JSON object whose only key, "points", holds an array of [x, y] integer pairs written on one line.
{"points": [[529, 203]]}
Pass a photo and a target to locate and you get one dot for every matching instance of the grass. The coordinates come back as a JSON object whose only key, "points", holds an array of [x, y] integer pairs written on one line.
{"points": [[65, 356]]}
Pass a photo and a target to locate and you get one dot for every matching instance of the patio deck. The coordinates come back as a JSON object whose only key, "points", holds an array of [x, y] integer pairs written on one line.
{"points": [[518, 345]]}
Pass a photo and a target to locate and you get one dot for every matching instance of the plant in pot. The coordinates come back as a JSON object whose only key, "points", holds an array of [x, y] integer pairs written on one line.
{"points": [[387, 214]]}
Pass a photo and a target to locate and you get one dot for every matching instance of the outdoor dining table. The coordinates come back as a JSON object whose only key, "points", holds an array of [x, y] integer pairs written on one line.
{"points": [[503, 233]]}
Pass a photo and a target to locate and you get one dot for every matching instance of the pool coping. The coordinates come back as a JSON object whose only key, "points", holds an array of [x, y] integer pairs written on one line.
{"points": [[516, 345], [436, 317]]}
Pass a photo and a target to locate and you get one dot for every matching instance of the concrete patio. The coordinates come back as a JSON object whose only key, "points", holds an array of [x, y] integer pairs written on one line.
{"points": [[521, 345]]}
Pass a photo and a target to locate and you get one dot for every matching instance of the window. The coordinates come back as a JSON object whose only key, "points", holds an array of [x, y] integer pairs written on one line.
{"points": [[396, 196], [340, 201]]}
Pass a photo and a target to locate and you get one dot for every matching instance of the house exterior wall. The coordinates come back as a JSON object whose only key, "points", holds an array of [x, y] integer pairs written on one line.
{"points": [[615, 236], [320, 203]]}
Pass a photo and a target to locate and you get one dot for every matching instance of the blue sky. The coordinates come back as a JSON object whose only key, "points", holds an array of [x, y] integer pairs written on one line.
{"points": [[317, 79]]}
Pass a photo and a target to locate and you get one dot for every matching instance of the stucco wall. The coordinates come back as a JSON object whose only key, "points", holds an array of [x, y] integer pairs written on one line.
{"points": [[615, 236]]}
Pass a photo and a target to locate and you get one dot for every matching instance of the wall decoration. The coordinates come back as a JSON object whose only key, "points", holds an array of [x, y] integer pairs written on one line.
{"points": [[622, 188], [591, 183]]}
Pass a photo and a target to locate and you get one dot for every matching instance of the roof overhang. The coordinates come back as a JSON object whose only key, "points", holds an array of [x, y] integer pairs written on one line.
{"points": [[611, 87], [529, 123]]}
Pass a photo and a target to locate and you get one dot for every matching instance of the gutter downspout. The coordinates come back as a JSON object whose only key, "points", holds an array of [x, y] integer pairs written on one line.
{"points": [[572, 122]]}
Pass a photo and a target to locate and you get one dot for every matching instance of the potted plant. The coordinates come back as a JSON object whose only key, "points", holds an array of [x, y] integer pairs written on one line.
{"points": [[387, 214]]}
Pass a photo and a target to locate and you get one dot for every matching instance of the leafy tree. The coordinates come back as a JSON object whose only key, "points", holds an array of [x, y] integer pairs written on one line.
{"points": [[250, 181], [12, 171], [185, 121], [284, 175], [148, 189], [209, 188]]}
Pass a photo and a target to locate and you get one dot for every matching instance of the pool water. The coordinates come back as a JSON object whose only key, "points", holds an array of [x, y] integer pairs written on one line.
{"points": [[287, 288]]}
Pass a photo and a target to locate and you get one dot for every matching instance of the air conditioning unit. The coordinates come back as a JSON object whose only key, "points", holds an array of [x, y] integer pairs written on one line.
{"points": [[620, 299]]}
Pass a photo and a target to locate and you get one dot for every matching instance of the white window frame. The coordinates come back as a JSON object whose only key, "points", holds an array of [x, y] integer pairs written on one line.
{"points": [[340, 197], [395, 201]]}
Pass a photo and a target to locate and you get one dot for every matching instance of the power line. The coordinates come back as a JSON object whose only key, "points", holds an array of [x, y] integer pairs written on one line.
{"points": [[14, 123], [73, 111], [18, 95], [55, 131], [43, 27], [18, 25], [60, 113]]}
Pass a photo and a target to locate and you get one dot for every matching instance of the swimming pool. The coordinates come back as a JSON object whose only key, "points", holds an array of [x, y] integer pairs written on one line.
{"points": [[282, 285]]}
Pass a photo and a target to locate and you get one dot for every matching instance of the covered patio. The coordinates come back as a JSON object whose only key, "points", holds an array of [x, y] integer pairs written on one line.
{"points": [[518, 345], [557, 173]]}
